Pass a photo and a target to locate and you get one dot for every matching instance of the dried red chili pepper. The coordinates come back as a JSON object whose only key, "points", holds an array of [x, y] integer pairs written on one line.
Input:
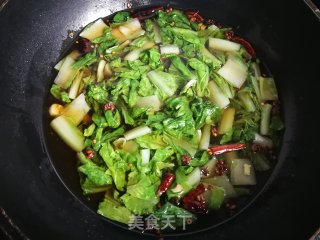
{"points": [[215, 150], [210, 22], [246, 45], [195, 15], [154, 10], [220, 168], [109, 106], [84, 45], [197, 207], [214, 132], [146, 14], [194, 202], [185, 159], [229, 35], [87, 119], [89, 153], [262, 149], [165, 184], [194, 193], [205, 171]]}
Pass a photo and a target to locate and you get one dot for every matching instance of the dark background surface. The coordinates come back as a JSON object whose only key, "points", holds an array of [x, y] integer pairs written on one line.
{"points": [[32, 33]]}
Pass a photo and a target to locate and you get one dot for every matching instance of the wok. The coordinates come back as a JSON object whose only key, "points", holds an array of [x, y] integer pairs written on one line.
{"points": [[33, 35]]}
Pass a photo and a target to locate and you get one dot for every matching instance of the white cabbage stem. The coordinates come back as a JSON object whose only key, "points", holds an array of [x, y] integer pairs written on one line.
{"points": [[137, 132]]}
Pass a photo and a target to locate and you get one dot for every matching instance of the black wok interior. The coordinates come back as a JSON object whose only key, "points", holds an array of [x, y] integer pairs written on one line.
{"points": [[64, 162], [33, 36]]}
